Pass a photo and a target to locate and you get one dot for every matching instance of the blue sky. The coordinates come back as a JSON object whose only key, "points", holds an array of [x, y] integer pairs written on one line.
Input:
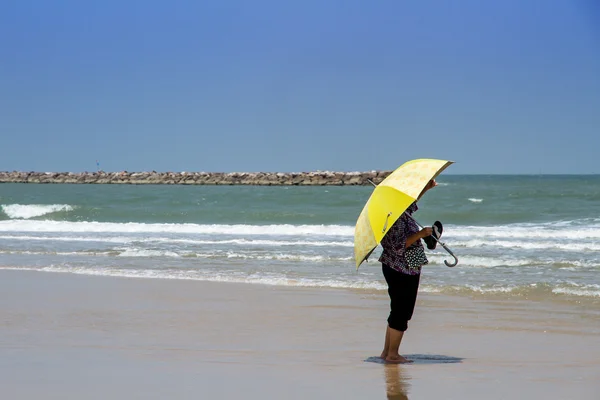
{"points": [[507, 86]]}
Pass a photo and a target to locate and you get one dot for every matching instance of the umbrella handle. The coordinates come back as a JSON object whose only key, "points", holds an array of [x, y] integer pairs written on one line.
{"points": [[442, 244], [451, 253]]}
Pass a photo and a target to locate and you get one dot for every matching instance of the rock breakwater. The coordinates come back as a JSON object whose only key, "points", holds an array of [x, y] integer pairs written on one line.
{"points": [[317, 178]]}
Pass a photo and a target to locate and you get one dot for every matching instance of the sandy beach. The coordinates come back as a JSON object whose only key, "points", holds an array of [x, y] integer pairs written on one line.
{"points": [[65, 336]]}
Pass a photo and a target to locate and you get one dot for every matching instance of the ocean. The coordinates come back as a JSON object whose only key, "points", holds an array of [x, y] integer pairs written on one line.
{"points": [[529, 237]]}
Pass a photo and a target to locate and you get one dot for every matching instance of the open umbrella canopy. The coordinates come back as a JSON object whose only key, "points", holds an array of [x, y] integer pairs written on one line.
{"points": [[389, 200]]}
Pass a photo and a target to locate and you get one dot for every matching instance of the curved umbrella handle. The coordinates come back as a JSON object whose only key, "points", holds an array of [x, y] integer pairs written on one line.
{"points": [[451, 253]]}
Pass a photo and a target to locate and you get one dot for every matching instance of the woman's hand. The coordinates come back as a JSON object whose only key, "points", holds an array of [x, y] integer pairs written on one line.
{"points": [[431, 184], [423, 233]]}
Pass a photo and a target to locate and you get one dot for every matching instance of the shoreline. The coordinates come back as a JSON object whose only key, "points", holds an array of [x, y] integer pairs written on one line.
{"points": [[315, 178]]}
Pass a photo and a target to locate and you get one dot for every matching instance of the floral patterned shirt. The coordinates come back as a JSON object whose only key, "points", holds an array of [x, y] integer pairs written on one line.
{"points": [[394, 243]]}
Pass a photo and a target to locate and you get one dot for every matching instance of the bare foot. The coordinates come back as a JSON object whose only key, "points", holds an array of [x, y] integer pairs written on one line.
{"points": [[383, 355], [397, 360]]}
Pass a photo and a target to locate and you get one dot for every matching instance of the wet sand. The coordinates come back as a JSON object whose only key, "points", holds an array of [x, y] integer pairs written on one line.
{"points": [[66, 336]]}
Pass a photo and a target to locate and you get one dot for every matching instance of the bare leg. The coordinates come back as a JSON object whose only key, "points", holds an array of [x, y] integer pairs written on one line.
{"points": [[386, 344], [394, 345]]}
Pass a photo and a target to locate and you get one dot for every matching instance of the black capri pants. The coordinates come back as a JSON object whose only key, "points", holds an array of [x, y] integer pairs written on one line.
{"points": [[402, 289]]}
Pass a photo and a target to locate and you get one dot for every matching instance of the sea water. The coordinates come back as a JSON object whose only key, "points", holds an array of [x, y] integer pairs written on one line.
{"points": [[527, 236]]}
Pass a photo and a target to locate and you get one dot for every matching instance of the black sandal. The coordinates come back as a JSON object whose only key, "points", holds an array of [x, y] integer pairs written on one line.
{"points": [[437, 232]]}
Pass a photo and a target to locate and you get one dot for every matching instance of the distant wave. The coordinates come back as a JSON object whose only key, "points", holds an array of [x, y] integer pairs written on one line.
{"points": [[577, 229], [581, 245], [26, 211], [133, 239], [231, 255], [136, 227], [555, 230], [465, 261], [527, 236], [578, 290], [483, 262], [534, 245], [530, 291], [534, 260], [100, 239], [152, 253], [474, 200]]}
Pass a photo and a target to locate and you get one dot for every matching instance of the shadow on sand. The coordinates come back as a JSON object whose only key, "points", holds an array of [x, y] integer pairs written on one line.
{"points": [[421, 359]]}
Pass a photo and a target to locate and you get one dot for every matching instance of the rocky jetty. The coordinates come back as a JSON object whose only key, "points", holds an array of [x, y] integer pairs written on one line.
{"points": [[317, 178]]}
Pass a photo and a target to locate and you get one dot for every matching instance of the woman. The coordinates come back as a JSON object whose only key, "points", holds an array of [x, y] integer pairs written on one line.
{"points": [[402, 258]]}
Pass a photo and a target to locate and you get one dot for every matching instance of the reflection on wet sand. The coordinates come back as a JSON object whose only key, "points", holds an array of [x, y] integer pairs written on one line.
{"points": [[396, 378], [396, 383]]}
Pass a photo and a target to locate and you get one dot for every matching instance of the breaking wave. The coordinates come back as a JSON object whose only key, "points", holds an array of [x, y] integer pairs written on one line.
{"points": [[26, 211]]}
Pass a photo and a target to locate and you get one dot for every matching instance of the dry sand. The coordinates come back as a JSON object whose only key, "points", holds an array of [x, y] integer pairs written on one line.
{"points": [[68, 336]]}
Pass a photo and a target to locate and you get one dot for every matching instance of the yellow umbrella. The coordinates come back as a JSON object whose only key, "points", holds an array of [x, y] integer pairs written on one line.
{"points": [[389, 200]]}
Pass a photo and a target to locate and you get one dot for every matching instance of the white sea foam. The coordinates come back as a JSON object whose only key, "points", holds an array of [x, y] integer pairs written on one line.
{"points": [[437, 259], [148, 253], [129, 239], [26, 211], [482, 262], [238, 229], [429, 289], [569, 268], [578, 246], [523, 290], [492, 289], [467, 288], [251, 242], [486, 233], [232, 255], [528, 231], [59, 253], [151, 253], [289, 257], [273, 279], [533, 245], [114, 239], [586, 291], [474, 200], [554, 231]]}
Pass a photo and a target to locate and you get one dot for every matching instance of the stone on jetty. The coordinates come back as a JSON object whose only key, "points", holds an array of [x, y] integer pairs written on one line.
{"points": [[316, 178]]}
